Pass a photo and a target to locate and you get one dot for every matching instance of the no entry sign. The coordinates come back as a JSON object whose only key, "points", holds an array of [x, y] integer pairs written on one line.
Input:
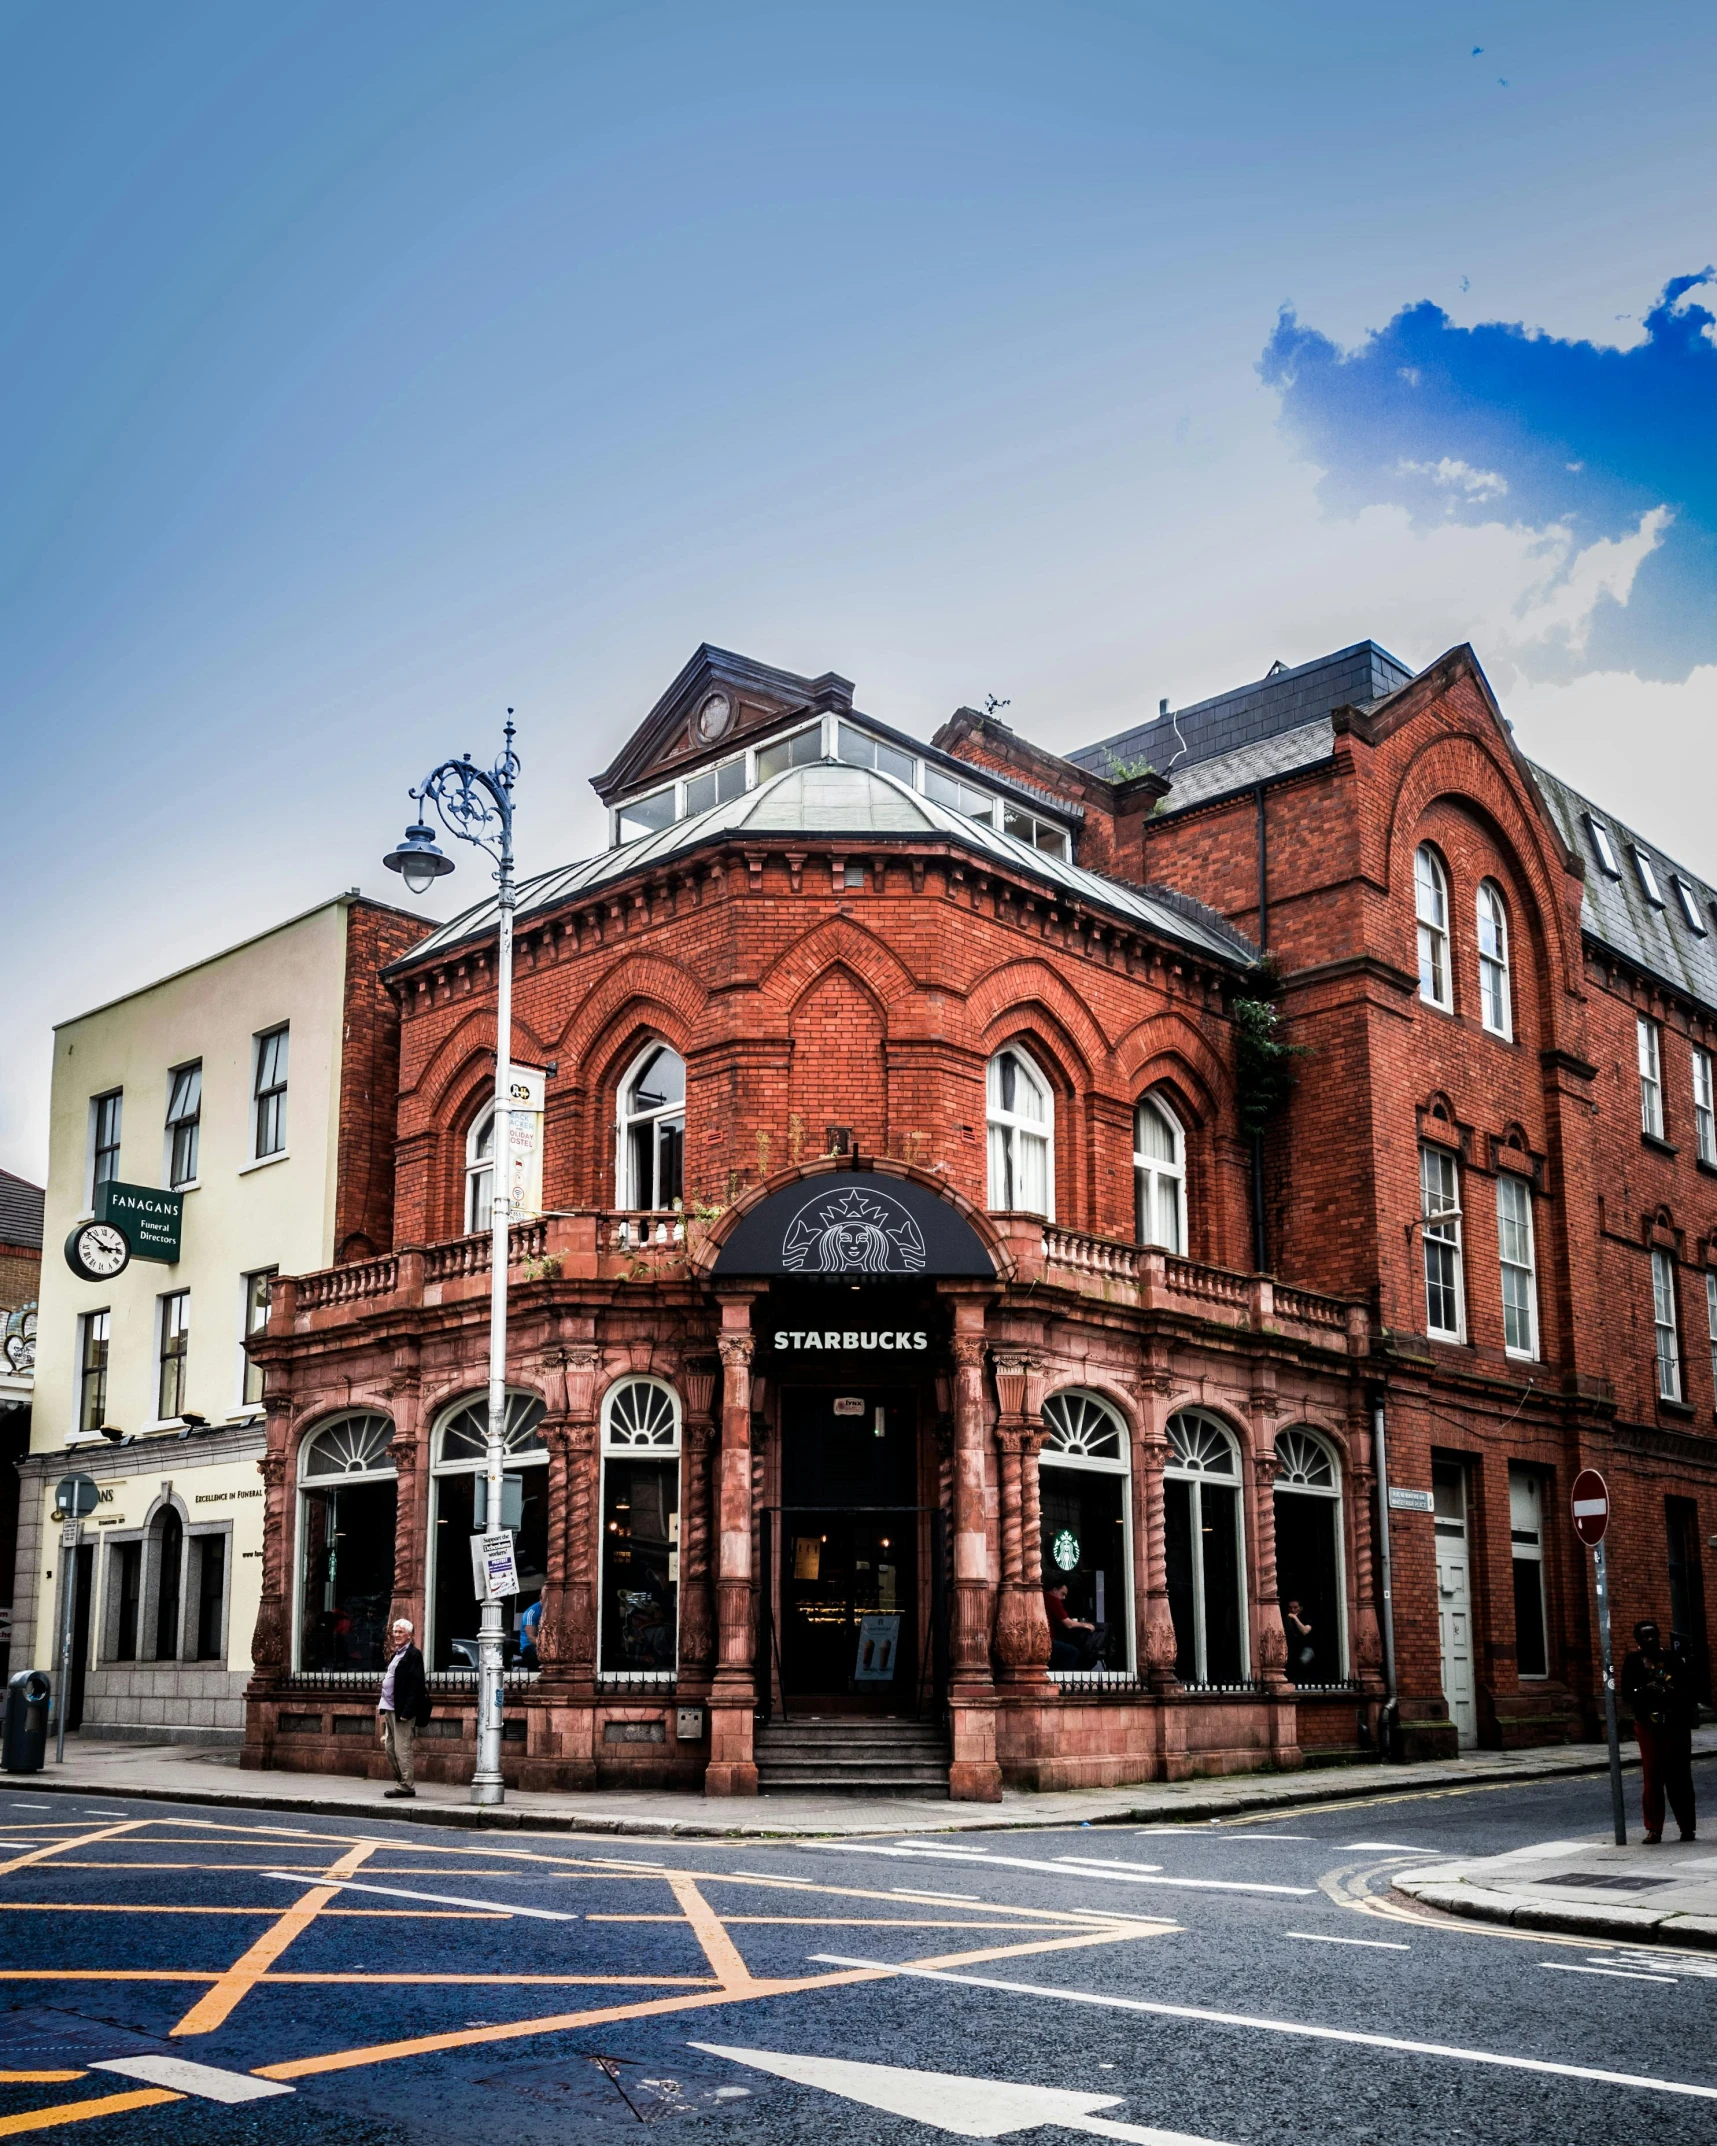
{"points": [[1591, 1507]]}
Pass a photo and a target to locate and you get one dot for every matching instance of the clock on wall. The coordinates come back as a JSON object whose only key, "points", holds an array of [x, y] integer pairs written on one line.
{"points": [[96, 1251], [713, 717]]}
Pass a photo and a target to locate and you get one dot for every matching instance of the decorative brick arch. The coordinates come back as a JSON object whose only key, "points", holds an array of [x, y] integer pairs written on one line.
{"points": [[1168, 1049], [1010, 999], [837, 943], [705, 1254], [671, 992], [472, 1038]]}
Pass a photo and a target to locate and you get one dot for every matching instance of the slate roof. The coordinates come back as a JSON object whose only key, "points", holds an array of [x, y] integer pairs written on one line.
{"points": [[1617, 913], [1286, 700], [20, 1211], [829, 798], [1304, 746]]}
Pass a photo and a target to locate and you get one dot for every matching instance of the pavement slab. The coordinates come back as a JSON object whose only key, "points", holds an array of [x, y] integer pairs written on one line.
{"points": [[1665, 1894]]}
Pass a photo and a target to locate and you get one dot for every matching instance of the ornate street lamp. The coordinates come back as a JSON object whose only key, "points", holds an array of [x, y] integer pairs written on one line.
{"points": [[476, 804]]}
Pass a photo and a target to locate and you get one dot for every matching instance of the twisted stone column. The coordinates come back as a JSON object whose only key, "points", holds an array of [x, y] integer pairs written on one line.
{"points": [[733, 1693], [697, 1601], [1022, 1628], [1161, 1648], [412, 1491], [974, 1774], [1272, 1640], [1358, 1490]]}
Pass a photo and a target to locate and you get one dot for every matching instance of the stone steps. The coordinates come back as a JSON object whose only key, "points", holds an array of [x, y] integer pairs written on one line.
{"points": [[855, 1755]]}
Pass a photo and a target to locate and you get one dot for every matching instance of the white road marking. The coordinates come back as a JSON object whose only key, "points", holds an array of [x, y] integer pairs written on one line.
{"points": [[1371, 1944], [203, 2080], [918, 1892], [1111, 1874], [1619, 1974], [401, 1892], [1387, 1847], [769, 1875], [1101, 1862], [969, 2108], [1039, 1993], [1236, 1832]]}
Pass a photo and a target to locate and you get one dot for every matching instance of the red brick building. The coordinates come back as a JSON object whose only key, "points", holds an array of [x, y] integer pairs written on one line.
{"points": [[921, 1222]]}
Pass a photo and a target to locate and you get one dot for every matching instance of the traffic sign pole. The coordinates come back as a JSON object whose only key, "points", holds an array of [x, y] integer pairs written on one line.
{"points": [[1591, 1500], [74, 1497]]}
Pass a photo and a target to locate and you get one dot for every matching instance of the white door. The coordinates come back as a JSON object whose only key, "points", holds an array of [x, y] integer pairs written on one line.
{"points": [[1455, 1610]]}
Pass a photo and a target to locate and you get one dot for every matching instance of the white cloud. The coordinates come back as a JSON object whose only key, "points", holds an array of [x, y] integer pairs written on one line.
{"points": [[1560, 607], [1454, 475]]}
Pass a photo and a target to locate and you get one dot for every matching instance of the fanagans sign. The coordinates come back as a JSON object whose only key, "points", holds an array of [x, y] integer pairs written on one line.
{"points": [[149, 1220]]}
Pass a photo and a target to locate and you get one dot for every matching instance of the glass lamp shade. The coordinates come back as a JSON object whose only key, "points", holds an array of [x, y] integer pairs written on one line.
{"points": [[417, 860]]}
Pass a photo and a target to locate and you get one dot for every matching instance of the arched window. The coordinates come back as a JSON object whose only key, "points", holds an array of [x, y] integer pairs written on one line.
{"points": [[460, 1454], [1203, 1542], [1022, 1135], [1087, 1531], [640, 1607], [1431, 901], [347, 1506], [653, 1130], [480, 1172], [1494, 1007], [1159, 1175], [1308, 1556]]}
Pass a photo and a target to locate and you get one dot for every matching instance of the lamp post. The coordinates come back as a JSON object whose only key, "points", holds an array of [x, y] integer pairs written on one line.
{"points": [[476, 804]]}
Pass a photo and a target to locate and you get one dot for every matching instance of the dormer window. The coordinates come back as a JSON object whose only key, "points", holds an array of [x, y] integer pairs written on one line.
{"points": [[858, 749], [1647, 878], [799, 750], [646, 815], [1041, 834], [715, 785], [1689, 902], [959, 796], [1604, 848]]}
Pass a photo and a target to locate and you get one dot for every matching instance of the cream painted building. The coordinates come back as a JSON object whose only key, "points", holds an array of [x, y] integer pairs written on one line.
{"points": [[224, 1083]]}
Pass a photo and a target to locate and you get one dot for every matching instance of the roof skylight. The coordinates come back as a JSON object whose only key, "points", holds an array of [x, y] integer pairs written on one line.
{"points": [[1689, 901], [1647, 878], [1605, 848]]}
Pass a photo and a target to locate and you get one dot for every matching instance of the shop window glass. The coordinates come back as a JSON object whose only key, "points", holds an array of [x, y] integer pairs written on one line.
{"points": [[347, 1507], [639, 1612], [1083, 1489], [1526, 1540], [459, 1507], [169, 1568], [1309, 1556], [1202, 1527]]}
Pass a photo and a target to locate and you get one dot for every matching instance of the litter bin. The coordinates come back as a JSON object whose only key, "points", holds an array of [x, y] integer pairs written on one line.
{"points": [[24, 1747]]}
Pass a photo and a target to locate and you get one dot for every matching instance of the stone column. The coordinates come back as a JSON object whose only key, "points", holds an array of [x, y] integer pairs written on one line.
{"points": [[1272, 1640], [733, 1694], [1160, 1645], [413, 1489], [974, 1775], [1022, 1628], [1358, 1488], [271, 1641], [566, 1640], [697, 1604]]}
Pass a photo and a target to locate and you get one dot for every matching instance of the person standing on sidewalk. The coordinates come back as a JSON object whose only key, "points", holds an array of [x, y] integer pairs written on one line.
{"points": [[1658, 1686], [403, 1708]]}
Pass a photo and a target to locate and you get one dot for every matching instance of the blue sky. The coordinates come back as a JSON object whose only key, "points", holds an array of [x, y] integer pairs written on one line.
{"points": [[366, 370]]}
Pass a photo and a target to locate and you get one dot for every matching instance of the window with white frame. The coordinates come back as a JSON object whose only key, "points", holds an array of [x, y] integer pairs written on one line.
{"points": [[94, 1328], [1083, 1487], [1204, 1550], [639, 1610], [964, 798], [348, 1496], [1431, 904], [859, 749], [1650, 1076], [269, 1093], [480, 1171], [184, 1122], [1309, 1563], [1603, 848], [653, 1130], [1021, 1125], [1440, 1229], [1159, 1175], [1664, 1324], [1526, 1540], [1704, 1108], [715, 785], [175, 1343], [645, 815], [1495, 1009], [1519, 1267], [257, 1290], [459, 1458], [105, 1115], [1689, 901], [1648, 878], [1711, 1321], [799, 750]]}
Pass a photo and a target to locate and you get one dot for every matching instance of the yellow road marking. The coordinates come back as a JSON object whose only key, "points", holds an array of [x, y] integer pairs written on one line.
{"points": [[1055, 1944], [214, 1974], [76, 2112], [37, 2078], [842, 1922], [148, 1907], [711, 1933], [81, 1840], [211, 2010]]}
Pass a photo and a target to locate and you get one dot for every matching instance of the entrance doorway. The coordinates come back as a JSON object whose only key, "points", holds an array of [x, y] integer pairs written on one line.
{"points": [[83, 1581], [1454, 1599], [849, 1626]]}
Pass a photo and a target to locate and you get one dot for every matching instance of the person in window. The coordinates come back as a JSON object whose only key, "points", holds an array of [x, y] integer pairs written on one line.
{"points": [[1659, 1687], [530, 1625], [402, 1708], [1073, 1644], [1301, 1650]]}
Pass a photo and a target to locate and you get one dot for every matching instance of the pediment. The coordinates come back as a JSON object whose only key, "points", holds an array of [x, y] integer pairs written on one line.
{"points": [[716, 702]]}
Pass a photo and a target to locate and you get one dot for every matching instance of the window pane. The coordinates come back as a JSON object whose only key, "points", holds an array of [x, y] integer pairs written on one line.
{"points": [[640, 1564], [1031, 1172], [900, 765], [211, 1593], [1168, 1214], [646, 815], [1091, 1509], [1308, 1574], [1177, 1574], [1532, 1658], [854, 747], [169, 1567], [1154, 1136], [730, 780], [345, 1564], [700, 791], [1224, 1656]]}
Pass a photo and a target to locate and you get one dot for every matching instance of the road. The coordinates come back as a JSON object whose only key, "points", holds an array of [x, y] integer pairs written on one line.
{"points": [[1240, 1982]]}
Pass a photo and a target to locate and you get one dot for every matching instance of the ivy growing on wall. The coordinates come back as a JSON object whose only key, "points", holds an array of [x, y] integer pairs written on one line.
{"points": [[1264, 1057]]}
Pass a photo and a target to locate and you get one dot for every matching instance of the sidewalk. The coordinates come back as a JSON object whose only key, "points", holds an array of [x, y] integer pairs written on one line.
{"points": [[200, 1773], [1665, 1895]]}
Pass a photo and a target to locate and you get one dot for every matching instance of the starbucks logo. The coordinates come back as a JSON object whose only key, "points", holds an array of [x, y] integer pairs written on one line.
{"points": [[853, 1231], [1065, 1549]]}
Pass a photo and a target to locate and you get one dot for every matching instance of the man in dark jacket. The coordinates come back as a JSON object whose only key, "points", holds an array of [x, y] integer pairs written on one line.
{"points": [[403, 1708], [1658, 1686]]}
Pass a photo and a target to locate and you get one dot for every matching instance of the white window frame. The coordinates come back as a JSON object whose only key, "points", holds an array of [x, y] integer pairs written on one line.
{"points": [[626, 1189], [172, 1323], [1440, 1228], [276, 1092], [1496, 1008], [188, 1120], [1603, 847], [1711, 1320], [618, 1443], [1291, 1486], [1431, 908], [1151, 1176], [308, 1483], [1689, 901], [1666, 1331], [97, 1148], [1518, 1259], [86, 1333], [1177, 1471], [1704, 1107], [1526, 1546], [1070, 1444], [248, 1326], [1650, 1076], [1648, 878], [1012, 1126], [479, 1199]]}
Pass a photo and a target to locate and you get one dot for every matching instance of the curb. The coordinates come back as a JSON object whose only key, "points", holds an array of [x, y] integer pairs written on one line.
{"points": [[1641, 1925], [1293, 1792]]}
